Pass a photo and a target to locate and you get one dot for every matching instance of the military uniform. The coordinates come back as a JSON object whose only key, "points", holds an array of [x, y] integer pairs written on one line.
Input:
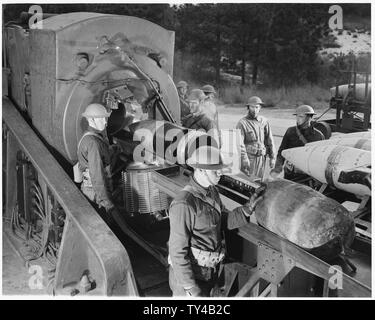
{"points": [[199, 121], [210, 110], [256, 143], [184, 107], [94, 157], [196, 246], [291, 139]]}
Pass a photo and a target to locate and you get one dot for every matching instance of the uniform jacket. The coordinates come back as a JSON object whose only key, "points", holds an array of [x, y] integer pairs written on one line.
{"points": [[210, 110], [197, 218], [291, 140], [199, 121], [256, 134], [185, 108], [94, 154]]}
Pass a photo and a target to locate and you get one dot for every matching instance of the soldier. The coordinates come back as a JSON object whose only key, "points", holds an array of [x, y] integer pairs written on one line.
{"points": [[197, 219], [197, 119], [184, 105], [209, 106], [294, 137], [94, 158], [256, 140]]}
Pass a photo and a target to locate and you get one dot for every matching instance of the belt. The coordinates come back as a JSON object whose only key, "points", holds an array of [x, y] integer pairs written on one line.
{"points": [[208, 259], [256, 150]]}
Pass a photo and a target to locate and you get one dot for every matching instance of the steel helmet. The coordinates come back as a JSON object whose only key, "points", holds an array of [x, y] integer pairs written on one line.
{"points": [[208, 89], [304, 110], [254, 100], [207, 158], [96, 110], [196, 94], [182, 84]]}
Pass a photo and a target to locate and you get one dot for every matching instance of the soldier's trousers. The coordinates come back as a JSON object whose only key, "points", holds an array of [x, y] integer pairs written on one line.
{"points": [[178, 290], [257, 165]]}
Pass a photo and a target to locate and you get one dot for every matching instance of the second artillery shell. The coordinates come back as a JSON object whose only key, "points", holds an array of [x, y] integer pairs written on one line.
{"points": [[305, 217], [361, 134], [357, 143], [326, 163]]}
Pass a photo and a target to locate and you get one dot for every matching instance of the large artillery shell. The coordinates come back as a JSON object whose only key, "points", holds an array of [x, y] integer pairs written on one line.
{"points": [[305, 217], [345, 168]]}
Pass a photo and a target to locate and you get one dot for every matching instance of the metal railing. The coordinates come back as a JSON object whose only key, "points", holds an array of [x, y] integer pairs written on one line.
{"points": [[87, 245]]}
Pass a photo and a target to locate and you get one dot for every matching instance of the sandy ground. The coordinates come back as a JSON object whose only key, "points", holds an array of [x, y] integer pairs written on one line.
{"points": [[350, 42]]}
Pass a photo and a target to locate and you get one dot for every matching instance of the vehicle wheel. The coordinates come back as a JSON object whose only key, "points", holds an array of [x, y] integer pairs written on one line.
{"points": [[324, 128]]}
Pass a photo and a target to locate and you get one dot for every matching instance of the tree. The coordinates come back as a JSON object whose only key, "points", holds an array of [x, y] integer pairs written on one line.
{"points": [[246, 25], [201, 30], [290, 52]]}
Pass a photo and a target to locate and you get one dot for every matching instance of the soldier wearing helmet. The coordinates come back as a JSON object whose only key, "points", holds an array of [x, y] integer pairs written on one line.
{"points": [[184, 105], [294, 137], [94, 157], [256, 140], [197, 119], [209, 106], [197, 220]]}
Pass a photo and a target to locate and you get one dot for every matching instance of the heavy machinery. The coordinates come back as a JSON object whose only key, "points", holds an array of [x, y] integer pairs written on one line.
{"points": [[352, 100], [50, 74]]}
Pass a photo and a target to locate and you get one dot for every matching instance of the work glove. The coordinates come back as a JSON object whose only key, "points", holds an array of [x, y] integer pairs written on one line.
{"points": [[193, 292], [255, 198]]}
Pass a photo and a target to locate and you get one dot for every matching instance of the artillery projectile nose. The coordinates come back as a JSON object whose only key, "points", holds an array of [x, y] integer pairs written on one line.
{"points": [[327, 162], [360, 91], [305, 217], [357, 143]]}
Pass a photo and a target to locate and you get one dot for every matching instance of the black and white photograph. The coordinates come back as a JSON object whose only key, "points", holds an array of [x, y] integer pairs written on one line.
{"points": [[183, 151]]}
